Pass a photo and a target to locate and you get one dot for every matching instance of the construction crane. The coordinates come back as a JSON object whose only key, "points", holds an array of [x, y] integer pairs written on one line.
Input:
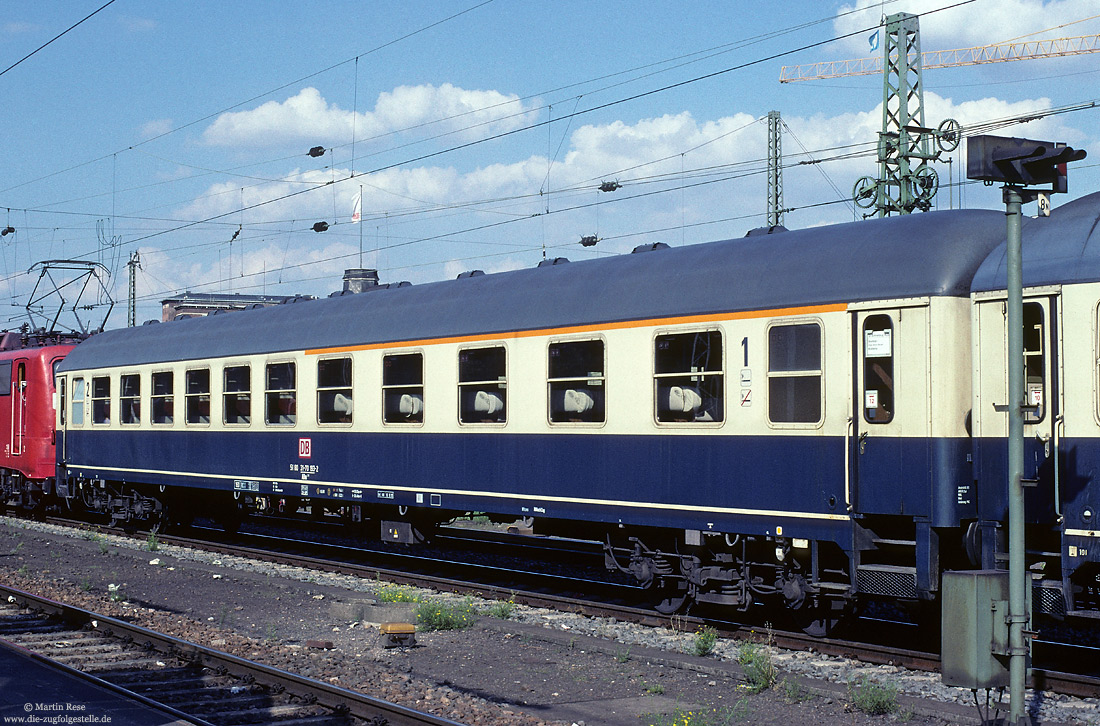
{"points": [[977, 55], [906, 180]]}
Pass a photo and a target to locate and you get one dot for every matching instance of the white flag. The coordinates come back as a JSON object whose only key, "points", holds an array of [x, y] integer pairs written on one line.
{"points": [[357, 210]]}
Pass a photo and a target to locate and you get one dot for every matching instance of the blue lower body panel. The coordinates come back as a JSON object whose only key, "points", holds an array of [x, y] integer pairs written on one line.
{"points": [[723, 483]]}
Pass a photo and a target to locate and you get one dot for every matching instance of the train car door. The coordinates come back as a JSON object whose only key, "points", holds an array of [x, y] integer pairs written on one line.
{"points": [[17, 439], [890, 415], [1043, 398]]}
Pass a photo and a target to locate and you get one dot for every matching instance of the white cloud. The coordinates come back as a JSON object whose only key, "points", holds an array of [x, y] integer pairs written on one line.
{"points": [[415, 215], [17, 27], [982, 23], [136, 24], [308, 118], [156, 127]]}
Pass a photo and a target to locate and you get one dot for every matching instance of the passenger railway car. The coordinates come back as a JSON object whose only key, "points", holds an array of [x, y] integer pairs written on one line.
{"points": [[784, 418], [27, 460], [1062, 431]]}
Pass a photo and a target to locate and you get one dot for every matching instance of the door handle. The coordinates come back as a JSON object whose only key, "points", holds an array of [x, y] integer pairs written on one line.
{"points": [[862, 442]]}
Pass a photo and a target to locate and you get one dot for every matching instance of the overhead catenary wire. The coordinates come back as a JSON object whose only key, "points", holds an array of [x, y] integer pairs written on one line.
{"points": [[243, 207], [63, 32], [539, 124], [693, 57]]}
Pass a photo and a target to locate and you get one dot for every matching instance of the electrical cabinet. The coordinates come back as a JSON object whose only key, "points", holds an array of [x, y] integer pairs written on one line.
{"points": [[974, 652]]}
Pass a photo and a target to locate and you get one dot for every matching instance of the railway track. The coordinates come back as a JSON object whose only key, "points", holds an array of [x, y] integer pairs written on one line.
{"points": [[196, 683], [601, 599]]}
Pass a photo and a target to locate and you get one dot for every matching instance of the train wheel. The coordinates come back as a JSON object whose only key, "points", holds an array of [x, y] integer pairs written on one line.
{"points": [[824, 620], [673, 598]]}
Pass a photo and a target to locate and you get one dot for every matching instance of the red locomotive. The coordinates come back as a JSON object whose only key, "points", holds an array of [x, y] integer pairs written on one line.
{"points": [[27, 431]]}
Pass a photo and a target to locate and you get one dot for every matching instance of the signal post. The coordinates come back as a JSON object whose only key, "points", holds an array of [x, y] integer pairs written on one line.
{"points": [[1021, 165]]}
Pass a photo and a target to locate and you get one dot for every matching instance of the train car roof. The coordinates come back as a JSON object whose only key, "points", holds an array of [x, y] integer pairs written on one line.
{"points": [[1062, 248], [933, 254]]}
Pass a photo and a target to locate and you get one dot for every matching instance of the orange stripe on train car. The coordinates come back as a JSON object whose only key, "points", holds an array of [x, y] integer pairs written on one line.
{"points": [[596, 327]]}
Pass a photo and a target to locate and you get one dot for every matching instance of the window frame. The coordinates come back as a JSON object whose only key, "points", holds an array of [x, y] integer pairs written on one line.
{"points": [[401, 388], [155, 416], [78, 401], [280, 392], [6, 377], [236, 393], [196, 397], [336, 390], [892, 372], [62, 400], [129, 415], [554, 384], [718, 373], [476, 385], [1041, 356], [101, 404], [818, 373]]}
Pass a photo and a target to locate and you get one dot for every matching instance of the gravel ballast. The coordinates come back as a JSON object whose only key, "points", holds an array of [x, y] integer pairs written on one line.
{"points": [[537, 667]]}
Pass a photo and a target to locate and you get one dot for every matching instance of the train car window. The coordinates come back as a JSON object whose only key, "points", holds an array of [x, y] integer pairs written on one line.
{"points": [[101, 400], [162, 399], [63, 408], [281, 395], [687, 372], [403, 388], [575, 373], [334, 390], [1033, 363], [196, 396], [5, 378], [78, 402], [794, 373], [237, 395], [878, 369], [482, 385], [129, 401]]}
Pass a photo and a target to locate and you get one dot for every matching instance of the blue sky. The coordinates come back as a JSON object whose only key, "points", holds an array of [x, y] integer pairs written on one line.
{"points": [[478, 132]]}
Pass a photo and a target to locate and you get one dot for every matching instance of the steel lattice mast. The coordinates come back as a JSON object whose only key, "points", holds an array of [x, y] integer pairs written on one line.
{"points": [[775, 171], [906, 181]]}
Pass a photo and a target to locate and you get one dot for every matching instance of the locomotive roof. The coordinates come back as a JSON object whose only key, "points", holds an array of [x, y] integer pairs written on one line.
{"points": [[1062, 248], [934, 253]]}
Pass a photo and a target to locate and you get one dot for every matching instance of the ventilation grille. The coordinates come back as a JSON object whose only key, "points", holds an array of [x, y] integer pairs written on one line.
{"points": [[887, 580], [1048, 600]]}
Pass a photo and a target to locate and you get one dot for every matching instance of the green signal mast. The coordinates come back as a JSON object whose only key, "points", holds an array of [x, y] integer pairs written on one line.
{"points": [[906, 180]]}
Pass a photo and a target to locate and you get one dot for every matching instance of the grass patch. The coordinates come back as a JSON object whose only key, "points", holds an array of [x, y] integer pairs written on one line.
{"points": [[876, 699], [755, 658], [153, 542], [388, 592], [721, 716], [441, 616], [115, 593], [501, 609], [706, 638], [792, 692]]}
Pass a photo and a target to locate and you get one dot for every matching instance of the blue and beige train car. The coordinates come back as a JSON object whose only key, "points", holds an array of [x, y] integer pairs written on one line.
{"points": [[1062, 422], [782, 418]]}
